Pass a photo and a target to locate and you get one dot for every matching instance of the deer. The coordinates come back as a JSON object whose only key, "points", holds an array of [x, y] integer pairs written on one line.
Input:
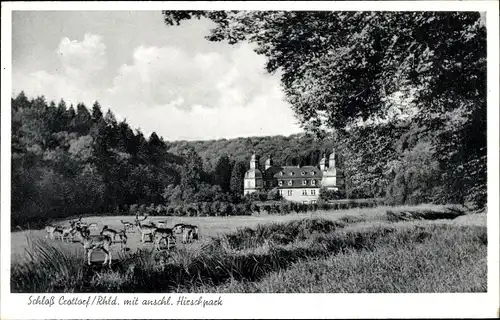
{"points": [[160, 234], [127, 224], [90, 226], [94, 242], [69, 231], [82, 230], [144, 229], [178, 228], [109, 232], [189, 232], [52, 231]]}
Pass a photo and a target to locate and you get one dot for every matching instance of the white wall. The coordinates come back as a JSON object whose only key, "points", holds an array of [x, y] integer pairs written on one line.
{"points": [[297, 196]]}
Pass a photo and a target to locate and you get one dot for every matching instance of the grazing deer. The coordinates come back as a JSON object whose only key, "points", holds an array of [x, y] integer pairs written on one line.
{"points": [[145, 229], [69, 231], [109, 232], [91, 243], [160, 234], [52, 231], [178, 228], [189, 232]]}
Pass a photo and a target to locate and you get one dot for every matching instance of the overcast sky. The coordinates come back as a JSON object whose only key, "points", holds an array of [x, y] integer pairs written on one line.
{"points": [[164, 79]]}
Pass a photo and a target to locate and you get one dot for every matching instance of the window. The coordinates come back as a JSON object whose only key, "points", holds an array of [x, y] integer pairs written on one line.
{"points": [[280, 183], [281, 173], [290, 192], [290, 182], [313, 173], [313, 192], [304, 192], [281, 192], [292, 173], [303, 173], [313, 182]]}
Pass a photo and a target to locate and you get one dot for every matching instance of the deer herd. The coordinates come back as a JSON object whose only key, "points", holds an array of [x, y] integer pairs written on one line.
{"points": [[156, 232]]}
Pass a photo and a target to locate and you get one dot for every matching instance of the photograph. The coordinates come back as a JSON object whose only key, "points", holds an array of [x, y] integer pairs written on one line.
{"points": [[232, 151]]}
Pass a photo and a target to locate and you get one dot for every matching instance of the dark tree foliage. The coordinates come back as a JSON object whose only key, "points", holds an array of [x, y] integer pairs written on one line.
{"points": [[237, 178], [222, 173]]}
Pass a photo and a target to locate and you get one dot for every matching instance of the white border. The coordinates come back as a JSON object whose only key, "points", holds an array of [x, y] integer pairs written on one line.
{"points": [[14, 306]]}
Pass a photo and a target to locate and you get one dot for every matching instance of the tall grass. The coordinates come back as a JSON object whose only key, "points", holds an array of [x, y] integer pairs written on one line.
{"points": [[297, 256]]}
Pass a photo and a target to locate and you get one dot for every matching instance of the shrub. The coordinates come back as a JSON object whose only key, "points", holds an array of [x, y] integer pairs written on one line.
{"points": [[134, 208]]}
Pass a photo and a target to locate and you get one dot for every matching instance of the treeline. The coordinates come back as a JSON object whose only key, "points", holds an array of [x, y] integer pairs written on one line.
{"points": [[297, 149]]}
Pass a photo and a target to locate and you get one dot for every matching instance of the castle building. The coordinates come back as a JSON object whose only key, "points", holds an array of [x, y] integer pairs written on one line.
{"points": [[295, 183]]}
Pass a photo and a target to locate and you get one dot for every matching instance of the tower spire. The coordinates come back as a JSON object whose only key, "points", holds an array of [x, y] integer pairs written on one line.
{"points": [[269, 162], [322, 163]]}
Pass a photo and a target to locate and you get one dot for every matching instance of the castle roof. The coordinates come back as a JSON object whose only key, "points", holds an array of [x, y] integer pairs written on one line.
{"points": [[253, 173], [294, 172]]}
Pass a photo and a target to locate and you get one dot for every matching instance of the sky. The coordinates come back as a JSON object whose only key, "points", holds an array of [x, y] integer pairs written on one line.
{"points": [[168, 80]]}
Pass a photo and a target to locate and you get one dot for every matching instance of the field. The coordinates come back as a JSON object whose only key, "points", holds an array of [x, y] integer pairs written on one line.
{"points": [[382, 249]]}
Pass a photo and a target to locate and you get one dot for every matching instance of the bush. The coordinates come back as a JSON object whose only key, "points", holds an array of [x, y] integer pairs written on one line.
{"points": [[134, 209]]}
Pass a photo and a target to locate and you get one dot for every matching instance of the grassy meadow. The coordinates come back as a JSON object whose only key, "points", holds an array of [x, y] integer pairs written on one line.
{"points": [[386, 249]]}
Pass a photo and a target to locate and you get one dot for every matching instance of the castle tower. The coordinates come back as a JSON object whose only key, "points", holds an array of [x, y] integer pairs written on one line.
{"points": [[269, 162], [253, 180], [253, 162], [322, 163], [333, 178], [331, 161]]}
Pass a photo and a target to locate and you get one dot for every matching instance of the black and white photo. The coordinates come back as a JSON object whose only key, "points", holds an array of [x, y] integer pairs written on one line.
{"points": [[223, 150]]}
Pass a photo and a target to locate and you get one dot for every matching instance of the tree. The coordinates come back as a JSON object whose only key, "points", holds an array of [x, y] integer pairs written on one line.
{"points": [[191, 170], [222, 173], [61, 121], [83, 119], [237, 178], [96, 112], [70, 118]]}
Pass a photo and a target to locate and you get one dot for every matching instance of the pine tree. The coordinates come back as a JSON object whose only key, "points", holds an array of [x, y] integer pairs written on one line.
{"points": [[83, 120], [96, 112]]}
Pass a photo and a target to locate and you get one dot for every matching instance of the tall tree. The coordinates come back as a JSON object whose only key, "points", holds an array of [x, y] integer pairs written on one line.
{"points": [[222, 173], [70, 118], [96, 112], [61, 117], [237, 178], [83, 119], [192, 170]]}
